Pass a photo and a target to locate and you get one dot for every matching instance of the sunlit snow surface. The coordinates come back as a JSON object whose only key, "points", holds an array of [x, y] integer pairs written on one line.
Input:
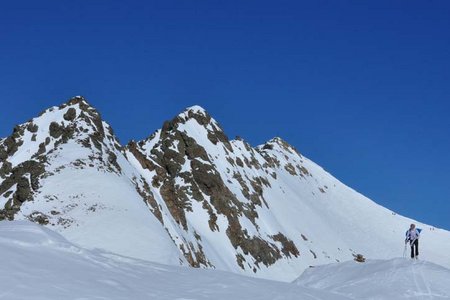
{"points": [[38, 263], [398, 278]]}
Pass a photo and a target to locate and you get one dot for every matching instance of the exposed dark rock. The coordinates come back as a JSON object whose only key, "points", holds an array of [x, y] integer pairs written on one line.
{"points": [[239, 162], [3, 154], [12, 145], [195, 258], [260, 250], [288, 245], [32, 127], [9, 211], [56, 130], [23, 191], [304, 171], [219, 136], [25, 187], [359, 258], [192, 149], [67, 133], [71, 114], [245, 189], [230, 161], [41, 150], [291, 169], [39, 218], [167, 126], [7, 194], [5, 169], [18, 131], [78, 100], [86, 142], [149, 199], [240, 261], [175, 204], [112, 159]]}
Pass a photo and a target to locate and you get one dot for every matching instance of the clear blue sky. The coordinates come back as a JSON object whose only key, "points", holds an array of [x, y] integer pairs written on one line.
{"points": [[360, 87]]}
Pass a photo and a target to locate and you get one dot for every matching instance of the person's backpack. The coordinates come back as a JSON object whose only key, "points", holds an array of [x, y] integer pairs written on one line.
{"points": [[419, 230]]}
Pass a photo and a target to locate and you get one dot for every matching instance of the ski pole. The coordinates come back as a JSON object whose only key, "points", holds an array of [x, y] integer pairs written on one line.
{"points": [[404, 251]]}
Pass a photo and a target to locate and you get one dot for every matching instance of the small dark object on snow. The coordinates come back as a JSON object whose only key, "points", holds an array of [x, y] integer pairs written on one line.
{"points": [[359, 258]]}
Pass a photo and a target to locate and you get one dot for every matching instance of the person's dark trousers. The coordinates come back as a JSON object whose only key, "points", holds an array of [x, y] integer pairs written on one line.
{"points": [[415, 248]]}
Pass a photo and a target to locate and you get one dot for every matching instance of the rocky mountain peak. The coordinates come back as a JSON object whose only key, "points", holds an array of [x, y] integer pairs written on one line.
{"points": [[192, 163], [77, 100], [195, 110], [49, 140], [192, 116], [75, 108]]}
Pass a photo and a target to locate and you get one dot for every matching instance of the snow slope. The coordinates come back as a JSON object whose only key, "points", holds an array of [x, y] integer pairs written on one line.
{"points": [[40, 264], [381, 279]]}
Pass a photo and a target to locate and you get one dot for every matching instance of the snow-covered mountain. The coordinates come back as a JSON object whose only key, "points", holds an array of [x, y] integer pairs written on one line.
{"points": [[188, 195]]}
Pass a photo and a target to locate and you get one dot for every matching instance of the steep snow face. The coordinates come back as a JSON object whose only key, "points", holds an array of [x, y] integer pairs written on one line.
{"points": [[266, 211], [377, 279], [41, 264], [65, 170]]}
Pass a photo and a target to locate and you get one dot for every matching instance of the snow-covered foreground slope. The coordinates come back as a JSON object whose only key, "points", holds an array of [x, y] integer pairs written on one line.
{"points": [[381, 279], [40, 264]]}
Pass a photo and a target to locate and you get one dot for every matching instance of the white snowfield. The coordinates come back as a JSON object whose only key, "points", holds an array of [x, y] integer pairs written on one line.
{"points": [[40, 264], [381, 279]]}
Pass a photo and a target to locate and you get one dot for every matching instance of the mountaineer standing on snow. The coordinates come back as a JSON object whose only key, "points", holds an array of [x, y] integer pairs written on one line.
{"points": [[412, 235]]}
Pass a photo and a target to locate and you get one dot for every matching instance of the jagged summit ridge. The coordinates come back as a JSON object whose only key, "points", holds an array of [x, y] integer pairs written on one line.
{"points": [[74, 121], [70, 134], [195, 109]]}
